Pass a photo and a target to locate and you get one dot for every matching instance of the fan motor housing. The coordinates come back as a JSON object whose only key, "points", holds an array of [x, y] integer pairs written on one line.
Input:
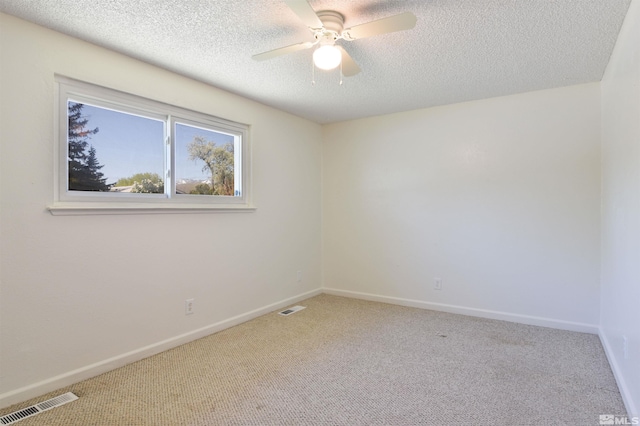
{"points": [[332, 21]]}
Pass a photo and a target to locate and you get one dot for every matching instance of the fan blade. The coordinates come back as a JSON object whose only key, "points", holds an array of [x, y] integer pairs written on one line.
{"points": [[403, 21], [349, 66], [282, 51], [305, 12]]}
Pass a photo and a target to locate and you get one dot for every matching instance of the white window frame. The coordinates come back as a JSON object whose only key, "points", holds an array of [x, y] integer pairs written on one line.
{"points": [[87, 202]]}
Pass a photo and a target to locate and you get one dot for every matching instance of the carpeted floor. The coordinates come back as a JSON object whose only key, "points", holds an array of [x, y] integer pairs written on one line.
{"points": [[351, 362]]}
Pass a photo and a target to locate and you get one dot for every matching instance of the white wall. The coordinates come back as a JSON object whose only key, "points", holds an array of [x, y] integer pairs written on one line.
{"points": [[620, 303], [500, 198], [83, 294]]}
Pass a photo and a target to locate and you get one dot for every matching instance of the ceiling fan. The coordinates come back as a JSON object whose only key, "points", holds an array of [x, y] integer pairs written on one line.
{"points": [[327, 27]]}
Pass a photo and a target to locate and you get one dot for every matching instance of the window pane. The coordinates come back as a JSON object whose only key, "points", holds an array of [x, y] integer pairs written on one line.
{"points": [[207, 161], [113, 151]]}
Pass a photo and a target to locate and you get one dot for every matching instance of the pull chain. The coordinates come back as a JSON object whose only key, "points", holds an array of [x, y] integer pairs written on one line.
{"points": [[313, 74]]}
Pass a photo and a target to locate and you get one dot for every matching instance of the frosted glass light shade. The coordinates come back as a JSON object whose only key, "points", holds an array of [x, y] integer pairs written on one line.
{"points": [[327, 57]]}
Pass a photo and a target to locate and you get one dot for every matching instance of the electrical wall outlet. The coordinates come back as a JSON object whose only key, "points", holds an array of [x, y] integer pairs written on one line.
{"points": [[437, 283], [188, 307], [299, 276]]}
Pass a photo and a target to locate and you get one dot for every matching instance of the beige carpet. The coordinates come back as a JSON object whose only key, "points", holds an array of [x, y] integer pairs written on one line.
{"points": [[351, 362]]}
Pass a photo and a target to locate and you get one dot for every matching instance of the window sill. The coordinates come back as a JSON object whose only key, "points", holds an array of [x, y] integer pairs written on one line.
{"points": [[76, 209]]}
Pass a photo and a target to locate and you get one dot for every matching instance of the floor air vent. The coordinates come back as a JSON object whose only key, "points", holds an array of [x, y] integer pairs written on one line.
{"points": [[293, 310], [38, 408]]}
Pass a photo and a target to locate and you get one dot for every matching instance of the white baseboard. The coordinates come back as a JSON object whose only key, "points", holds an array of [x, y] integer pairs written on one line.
{"points": [[632, 408], [86, 372], [482, 313]]}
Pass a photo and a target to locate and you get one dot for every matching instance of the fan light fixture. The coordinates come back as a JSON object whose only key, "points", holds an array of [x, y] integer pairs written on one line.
{"points": [[327, 27], [327, 57]]}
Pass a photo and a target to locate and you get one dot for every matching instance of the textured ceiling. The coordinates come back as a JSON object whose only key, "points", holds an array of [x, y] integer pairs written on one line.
{"points": [[460, 50]]}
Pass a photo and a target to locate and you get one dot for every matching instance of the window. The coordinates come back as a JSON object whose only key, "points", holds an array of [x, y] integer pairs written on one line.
{"points": [[119, 153]]}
